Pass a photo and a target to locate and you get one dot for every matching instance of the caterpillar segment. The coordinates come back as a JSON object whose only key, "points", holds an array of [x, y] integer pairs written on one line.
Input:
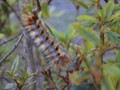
{"points": [[51, 49]]}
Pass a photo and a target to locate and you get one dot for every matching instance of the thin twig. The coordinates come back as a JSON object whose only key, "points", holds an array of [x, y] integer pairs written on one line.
{"points": [[19, 87], [38, 5], [50, 76], [6, 79], [47, 26], [18, 5], [49, 1], [110, 48], [11, 51], [64, 78], [6, 41], [115, 1], [94, 81], [102, 37], [106, 1]]}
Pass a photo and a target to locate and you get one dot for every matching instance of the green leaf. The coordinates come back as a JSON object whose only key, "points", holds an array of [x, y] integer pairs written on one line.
{"points": [[1, 35], [114, 15], [116, 20], [62, 36], [32, 83], [78, 78], [45, 10], [10, 86], [83, 86], [53, 14], [59, 82], [112, 67], [80, 2], [107, 84], [24, 74], [116, 8], [88, 18], [5, 8], [72, 33], [87, 33], [118, 56], [112, 75], [115, 28], [101, 13], [109, 9], [15, 64], [12, 1], [10, 74], [113, 37], [29, 8]]}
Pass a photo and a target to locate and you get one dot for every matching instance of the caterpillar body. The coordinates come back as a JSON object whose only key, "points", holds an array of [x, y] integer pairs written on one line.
{"points": [[57, 55]]}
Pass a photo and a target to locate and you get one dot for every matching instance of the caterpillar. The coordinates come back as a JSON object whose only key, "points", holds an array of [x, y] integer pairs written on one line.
{"points": [[58, 55]]}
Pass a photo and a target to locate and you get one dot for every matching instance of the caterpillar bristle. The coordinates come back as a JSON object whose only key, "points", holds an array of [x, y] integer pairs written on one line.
{"points": [[42, 32], [63, 61], [50, 50], [30, 17], [43, 39]]}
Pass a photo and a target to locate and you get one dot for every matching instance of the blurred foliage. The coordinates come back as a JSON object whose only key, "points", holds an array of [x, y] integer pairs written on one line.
{"points": [[99, 30]]}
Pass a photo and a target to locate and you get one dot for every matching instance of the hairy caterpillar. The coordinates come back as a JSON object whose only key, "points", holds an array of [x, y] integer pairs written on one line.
{"points": [[50, 47]]}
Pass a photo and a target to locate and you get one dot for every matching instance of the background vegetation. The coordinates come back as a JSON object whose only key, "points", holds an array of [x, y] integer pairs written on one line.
{"points": [[92, 38]]}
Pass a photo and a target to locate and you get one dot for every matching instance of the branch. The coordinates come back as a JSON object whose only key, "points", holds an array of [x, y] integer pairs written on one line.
{"points": [[6, 41], [12, 50], [112, 48]]}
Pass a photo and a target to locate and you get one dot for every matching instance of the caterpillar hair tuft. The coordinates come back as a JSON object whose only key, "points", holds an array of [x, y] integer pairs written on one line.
{"points": [[42, 38]]}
